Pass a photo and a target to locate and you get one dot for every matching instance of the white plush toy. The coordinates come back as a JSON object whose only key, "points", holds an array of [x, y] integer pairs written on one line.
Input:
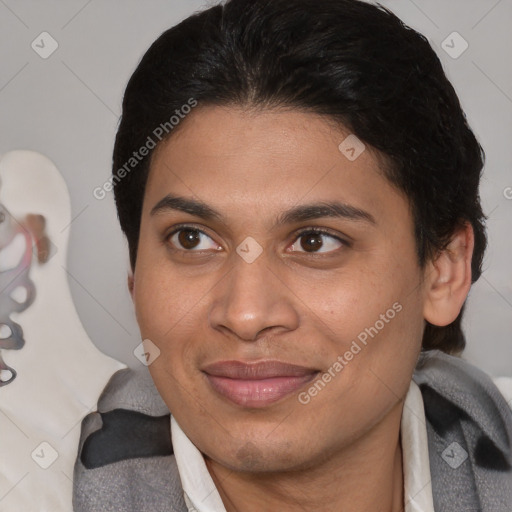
{"points": [[51, 374]]}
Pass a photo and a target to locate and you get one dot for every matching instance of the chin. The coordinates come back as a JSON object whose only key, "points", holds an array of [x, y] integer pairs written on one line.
{"points": [[263, 457]]}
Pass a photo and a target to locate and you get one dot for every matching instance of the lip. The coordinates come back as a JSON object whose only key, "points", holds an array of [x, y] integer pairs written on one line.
{"points": [[257, 384]]}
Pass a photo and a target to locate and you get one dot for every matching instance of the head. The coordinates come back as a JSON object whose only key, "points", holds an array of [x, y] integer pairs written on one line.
{"points": [[246, 119]]}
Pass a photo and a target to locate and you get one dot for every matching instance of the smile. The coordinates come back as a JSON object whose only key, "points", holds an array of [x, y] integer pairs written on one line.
{"points": [[259, 384]]}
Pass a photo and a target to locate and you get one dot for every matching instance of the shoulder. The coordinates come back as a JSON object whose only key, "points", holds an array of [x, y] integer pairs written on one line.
{"points": [[464, 404], [125, 459], [454, 376], [456, 381], [504, 384], [469, 432]]}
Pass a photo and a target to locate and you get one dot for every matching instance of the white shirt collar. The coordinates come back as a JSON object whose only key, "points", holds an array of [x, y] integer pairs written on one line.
{"points": [[199, 490], [415, 457], [201, 495]]}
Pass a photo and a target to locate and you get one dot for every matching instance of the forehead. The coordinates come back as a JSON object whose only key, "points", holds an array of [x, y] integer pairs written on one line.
{"points": [[263, 161]]}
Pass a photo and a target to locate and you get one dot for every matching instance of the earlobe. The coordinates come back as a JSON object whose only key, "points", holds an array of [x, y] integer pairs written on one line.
{"points": [[448, 279]]}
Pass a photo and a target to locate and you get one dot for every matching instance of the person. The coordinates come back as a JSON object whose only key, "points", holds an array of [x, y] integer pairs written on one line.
{"points": [[298, 185]]}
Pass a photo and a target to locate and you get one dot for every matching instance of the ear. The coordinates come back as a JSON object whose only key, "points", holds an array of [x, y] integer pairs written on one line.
{"points": [[448, 279], [131, 283]]}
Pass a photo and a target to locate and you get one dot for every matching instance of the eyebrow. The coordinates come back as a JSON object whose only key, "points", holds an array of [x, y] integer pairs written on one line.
{"points": [[183, 204], [325, 209], [302, 213]]}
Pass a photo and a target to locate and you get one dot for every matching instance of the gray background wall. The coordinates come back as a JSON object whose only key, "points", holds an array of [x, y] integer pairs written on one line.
{"points": [[67, 107]]}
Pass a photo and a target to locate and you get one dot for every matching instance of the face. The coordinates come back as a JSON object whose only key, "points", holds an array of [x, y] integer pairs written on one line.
{"points": [[263, 243]]}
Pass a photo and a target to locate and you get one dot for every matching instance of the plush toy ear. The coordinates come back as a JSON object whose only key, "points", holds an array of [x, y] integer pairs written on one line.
{"points": [[448, 278]]}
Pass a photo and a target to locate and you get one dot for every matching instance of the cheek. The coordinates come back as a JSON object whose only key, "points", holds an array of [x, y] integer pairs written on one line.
{"points": [[171, 311], [164, 301], [372, 315], [168, 317], [352, 299]]}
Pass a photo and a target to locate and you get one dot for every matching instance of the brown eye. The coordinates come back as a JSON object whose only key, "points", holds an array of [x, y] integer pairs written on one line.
{"points": [[191, 239], [311, 242], [316, 242]]}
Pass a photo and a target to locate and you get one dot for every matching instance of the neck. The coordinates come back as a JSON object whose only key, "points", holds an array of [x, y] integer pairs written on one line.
{"points": [[367, 475]]}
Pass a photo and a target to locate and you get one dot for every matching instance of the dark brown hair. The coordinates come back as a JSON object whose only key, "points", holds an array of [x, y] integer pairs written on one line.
{"points": [[352, 61]]}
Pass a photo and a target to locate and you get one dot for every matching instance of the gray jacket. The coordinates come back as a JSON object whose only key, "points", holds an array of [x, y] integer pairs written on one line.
{"points": [[125, 460]]}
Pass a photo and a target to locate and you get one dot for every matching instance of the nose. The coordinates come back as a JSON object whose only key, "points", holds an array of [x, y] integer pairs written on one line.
{"points": [[253, 299]]}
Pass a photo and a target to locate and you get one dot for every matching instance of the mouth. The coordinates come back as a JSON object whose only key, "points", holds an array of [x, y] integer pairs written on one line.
{"points": [[258, 384]]}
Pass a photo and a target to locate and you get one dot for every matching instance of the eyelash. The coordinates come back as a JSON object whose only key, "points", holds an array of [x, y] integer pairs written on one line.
{"points": [[297, 235]]}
